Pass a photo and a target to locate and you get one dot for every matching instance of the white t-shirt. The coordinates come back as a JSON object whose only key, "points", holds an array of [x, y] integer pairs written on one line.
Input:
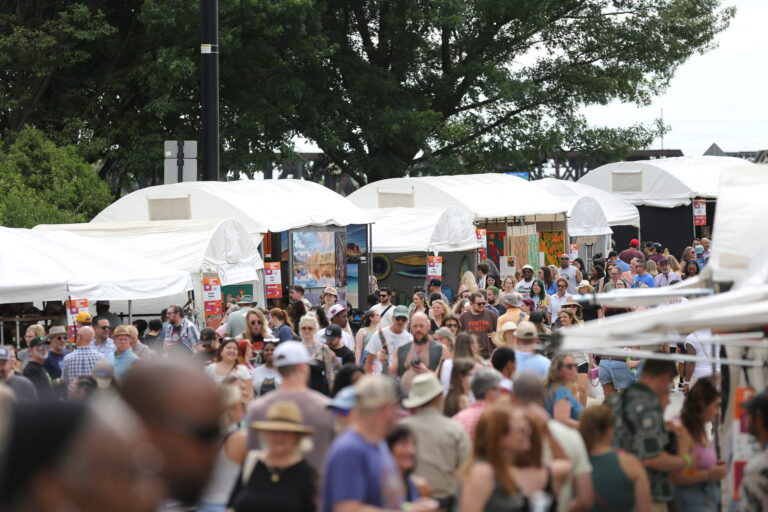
{"points": [[556, 304], [269, 377], [703, 369], [394, 341], [386, 319], [241, 372], [524, 288], [346, 339], [569, 274]]}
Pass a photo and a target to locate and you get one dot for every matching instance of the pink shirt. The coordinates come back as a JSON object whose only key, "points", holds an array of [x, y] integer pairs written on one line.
{"points": [[469, 416]]}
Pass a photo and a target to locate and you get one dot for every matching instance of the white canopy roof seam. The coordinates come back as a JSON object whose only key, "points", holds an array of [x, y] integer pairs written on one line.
{"points": [[585, 214], [260, 205], [476, 192], [427, 229], [55, 266], [665, 182], [618, 212], [200, 246]]}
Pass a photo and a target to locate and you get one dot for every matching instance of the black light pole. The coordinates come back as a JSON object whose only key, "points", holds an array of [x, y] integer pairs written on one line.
{"points": [[209, 50]]}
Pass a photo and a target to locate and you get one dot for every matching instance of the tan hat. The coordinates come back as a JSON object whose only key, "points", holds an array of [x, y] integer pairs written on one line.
{"points": [[57, 330], [424, 388], [283, 416], [498, 336], [122, 330], [374, 391], [571, 302], [330, 290], [526, 331]]}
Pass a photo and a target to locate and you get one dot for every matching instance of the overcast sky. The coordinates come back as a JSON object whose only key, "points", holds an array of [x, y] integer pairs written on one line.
{"points": [[721, 96]]}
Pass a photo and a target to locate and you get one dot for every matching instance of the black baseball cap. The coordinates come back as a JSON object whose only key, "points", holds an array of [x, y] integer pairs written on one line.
{"points": [[331, 332], [435, 282], [758, 404], [36, 342], [208, 335]]}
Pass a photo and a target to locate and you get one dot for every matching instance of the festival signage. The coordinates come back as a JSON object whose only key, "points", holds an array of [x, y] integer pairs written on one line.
{"points": [[744, 446], [699, 212], [212, 307], [272, 280], [482, 240], [74, 307], [434, 267]]}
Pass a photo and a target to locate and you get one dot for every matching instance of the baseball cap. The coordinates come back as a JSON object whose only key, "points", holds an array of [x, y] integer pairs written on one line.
{"points": [[758, 404], [103, 371], [207, 336], [36, 342], [400, 312], [335, 310], [83, 317], [344, 399], [634, 242], [102, 303], [435, 282], [526, 331], [699, 249], [527, 267], [663, 261], [4, 353], [290, 353], [333, 331], [565, 255]]}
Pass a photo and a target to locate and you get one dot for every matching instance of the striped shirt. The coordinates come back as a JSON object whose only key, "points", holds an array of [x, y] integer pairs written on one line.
{"points": [[79, 363]]}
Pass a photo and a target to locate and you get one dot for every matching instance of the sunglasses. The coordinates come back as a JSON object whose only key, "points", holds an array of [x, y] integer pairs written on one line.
{"points": [[480, 303], [59, 338], [562, 286], [105, 327], [570, 366], [451, 325], [256, 322], [383, 296]]}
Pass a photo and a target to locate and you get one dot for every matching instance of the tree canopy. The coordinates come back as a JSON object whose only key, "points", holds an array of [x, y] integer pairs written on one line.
{"points": [[42, 183], [383, 87]]}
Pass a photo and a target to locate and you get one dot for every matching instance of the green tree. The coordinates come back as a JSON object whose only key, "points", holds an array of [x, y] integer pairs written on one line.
{"points": [[43, 183]]}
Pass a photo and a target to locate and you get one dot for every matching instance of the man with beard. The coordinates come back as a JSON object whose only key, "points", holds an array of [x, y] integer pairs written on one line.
{"points": [[423, 354]]}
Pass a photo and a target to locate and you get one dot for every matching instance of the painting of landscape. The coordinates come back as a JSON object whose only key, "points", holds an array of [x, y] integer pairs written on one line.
{"points": [[314, 258]]}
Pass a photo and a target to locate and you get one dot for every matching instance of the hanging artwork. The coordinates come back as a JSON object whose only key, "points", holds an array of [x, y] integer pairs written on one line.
{"points": [[341, 258], [314, 258], [519, 246], [552, 244], [496, 246], [357, 235], [533, 251]]}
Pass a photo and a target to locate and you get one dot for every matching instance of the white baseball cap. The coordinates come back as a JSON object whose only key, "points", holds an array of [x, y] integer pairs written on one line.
{"points": [[290, 353], [335, 310]]}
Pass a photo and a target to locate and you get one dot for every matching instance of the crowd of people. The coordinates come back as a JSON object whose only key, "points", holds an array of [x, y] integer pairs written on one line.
{"points": [[438, 405]]}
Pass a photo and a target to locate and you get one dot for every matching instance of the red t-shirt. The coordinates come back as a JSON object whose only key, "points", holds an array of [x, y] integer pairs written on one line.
{"points": [[481, 325]]}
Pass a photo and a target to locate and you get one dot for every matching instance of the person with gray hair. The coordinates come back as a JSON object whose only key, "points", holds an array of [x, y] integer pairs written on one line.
{"points": [[486, 387], [577, 492]]}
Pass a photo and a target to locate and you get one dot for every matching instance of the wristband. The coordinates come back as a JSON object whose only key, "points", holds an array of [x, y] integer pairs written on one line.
{"points": [[688, 461]]}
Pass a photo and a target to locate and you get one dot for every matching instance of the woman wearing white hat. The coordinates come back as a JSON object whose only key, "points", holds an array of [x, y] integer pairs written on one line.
{"points": [[277, 478]]}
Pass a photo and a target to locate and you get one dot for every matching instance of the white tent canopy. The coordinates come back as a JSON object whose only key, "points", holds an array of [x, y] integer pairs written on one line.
{"points": [[489, 196], [201, 246], [427, 229], [585, 214], [617, 211], [666, 182], [260, 205], [55, 266]]}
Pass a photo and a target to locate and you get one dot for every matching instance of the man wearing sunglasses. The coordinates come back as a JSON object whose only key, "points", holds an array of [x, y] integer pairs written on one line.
{"points": [[181, 336], [35, 371], [569, 272], [102, 343], [481, 322], [384, 308], [57, 337]]}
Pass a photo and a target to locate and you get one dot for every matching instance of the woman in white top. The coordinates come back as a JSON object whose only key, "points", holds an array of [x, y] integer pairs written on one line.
{"points": [[266, 378], [307, 331], [226, 365]]}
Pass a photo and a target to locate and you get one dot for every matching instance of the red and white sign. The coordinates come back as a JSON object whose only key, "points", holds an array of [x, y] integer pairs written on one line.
{"points": [[212, 307], [73, 308], [744, 446], [435, 267], [273, 281], [699, 212], [482, 240], [574, 250]]}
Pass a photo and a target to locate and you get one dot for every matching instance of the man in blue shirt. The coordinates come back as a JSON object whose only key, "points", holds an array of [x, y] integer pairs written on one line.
{"points": [[613, 256], [526, 358], [641, 276]]}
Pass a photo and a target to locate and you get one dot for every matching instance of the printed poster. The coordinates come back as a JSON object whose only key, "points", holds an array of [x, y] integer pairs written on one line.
{"points": [[482, 239], [357, 247], [496, 246], [235, 292], [212, 307], [353, 285], [314, 258], [272, 280], [74, 307], [435, 267], [699, 212]]}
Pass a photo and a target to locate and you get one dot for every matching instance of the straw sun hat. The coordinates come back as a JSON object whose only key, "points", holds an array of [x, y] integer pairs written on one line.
{"points": [[283, 417], [498, 337]]}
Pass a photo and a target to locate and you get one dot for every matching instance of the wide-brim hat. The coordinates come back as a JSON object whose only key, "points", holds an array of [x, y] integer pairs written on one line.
{"points": [[571, 302], [498, 337], [424, 388], [56, 331], [283, 416]]}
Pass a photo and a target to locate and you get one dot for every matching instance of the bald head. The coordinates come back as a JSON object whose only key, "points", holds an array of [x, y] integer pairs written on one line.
{"points": [[85, 336], [420, 327]]}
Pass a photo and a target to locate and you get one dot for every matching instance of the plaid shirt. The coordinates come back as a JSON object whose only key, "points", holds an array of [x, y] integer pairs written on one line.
{"points": [[469, 416], [189, 336], [79, 363]]}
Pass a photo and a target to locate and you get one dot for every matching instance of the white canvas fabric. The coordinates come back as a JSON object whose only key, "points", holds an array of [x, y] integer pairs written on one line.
{"points": [[585, 214], [55, 266], [666, 182], [617, 211], [437, 230]]}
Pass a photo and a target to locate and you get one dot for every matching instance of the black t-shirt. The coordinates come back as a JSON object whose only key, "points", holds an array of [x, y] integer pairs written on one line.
{"points": [[37, 374], [343, 354], [294, 490]]}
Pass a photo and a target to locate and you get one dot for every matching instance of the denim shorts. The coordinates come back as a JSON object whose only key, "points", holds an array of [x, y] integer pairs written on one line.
{"points": [[615, 373], [703, 497]]}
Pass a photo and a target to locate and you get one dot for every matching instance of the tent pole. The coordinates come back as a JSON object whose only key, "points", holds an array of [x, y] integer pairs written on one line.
{"points": [[130, 312]]}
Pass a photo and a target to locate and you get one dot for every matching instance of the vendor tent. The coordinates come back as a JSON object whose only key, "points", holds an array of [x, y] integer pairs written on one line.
{"points": [[55, 266], [260, 205], [490, 196], [219, 246], [617, 211], [426, 229], [663, 190]]}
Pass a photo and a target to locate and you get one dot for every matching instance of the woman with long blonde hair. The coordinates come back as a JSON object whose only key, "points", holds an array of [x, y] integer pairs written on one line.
{"points": [[256, 330], [562, 388], [437, 313], [468, 281]]}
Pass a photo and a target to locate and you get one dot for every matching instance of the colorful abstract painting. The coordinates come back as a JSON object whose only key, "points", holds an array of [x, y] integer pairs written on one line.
{"points": [[519, 247], [496, 246], [533, 252], [552, 244]]}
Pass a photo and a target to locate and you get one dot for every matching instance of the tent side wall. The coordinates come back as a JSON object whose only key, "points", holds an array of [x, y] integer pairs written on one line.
{"points": [[671, 227]]}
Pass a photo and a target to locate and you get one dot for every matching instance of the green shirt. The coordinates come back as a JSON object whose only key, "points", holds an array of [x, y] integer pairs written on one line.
{"points": [[640, 430]]}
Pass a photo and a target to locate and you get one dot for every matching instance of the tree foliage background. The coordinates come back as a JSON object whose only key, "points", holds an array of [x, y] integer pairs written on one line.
{"points": [[384, 87]]}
